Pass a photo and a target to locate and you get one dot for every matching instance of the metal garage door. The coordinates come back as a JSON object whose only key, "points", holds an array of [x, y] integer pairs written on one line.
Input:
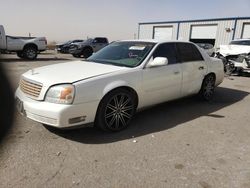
{"points": [[203, 32], [163, 33], [246, 31]]}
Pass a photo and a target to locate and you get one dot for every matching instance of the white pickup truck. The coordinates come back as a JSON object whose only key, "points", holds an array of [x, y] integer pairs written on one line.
{"points": [[25, 47]]}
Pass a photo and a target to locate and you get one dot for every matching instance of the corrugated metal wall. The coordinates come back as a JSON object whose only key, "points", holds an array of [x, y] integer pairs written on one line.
{"points": [[225, 30], [239, 28], [146, 30], [222, 36]]}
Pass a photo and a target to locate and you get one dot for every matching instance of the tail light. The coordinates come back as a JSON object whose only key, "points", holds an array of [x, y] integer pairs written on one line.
{"points": [[45, 40]]}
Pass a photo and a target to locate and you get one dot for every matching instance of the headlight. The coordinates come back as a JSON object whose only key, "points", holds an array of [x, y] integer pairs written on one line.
{"points": [[61, 94]]}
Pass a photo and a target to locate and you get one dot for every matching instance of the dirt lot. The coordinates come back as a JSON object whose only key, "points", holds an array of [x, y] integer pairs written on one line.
{"points": [[184, 143]]}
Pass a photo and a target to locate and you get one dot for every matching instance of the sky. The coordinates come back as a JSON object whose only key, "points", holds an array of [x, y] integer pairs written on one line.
{"points": [[62, 20]]}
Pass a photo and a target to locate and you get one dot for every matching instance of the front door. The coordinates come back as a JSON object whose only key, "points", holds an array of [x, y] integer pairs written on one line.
{"points": [[162, 83]]}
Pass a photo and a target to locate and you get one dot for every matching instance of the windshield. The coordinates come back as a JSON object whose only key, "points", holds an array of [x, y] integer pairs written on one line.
{"points": [[129, 54]]}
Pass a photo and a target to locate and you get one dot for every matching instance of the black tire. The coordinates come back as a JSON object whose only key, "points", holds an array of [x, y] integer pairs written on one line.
{"points": [[20, 55], [30, 52], [207, 89], [229, 68], [87, 52], [76, 55], [116, 110], [240, 72]]}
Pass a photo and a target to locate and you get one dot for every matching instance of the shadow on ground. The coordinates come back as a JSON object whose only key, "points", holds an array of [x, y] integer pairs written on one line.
{"points": [[159, 118]]}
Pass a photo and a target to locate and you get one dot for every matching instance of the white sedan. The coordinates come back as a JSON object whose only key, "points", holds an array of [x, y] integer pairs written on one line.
{"points": [[110, 86]]}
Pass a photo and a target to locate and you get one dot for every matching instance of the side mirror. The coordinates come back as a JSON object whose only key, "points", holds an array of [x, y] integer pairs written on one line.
{"points": [[158, 61]]}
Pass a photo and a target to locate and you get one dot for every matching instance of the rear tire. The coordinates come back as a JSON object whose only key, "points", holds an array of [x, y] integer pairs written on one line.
{"points": [[30, 52], [116, 110], [207, 89]]}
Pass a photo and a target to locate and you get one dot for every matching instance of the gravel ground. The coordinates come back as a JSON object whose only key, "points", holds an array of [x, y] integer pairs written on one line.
{"points": [[183, 143]]}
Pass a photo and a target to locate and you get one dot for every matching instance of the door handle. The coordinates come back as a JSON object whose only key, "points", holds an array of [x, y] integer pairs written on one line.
{"points": [[201, 68], [176, 72]]}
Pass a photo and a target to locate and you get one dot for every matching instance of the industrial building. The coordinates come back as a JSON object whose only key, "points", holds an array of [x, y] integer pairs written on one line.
{"points": [[214, 31]]}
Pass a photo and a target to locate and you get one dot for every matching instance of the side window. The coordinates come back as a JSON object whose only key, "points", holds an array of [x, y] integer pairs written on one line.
{"points": [[104, 40], [100, 40], [167, 50], [188, 52]]}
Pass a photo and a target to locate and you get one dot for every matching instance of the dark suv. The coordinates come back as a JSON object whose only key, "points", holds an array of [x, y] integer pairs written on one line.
{"points": [[64, 47], [88, 47]]}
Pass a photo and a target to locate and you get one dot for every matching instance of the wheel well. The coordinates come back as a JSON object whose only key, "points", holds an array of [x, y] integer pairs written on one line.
{"points": [[129, 89], [30, 45], [211, 73]]}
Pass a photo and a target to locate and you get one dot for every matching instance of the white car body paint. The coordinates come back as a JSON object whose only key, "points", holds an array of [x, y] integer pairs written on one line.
{"points": [[93, 81], [226, 50]]}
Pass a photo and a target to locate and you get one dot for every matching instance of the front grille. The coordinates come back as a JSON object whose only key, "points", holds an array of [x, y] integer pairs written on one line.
{"points": [[30, 88]]}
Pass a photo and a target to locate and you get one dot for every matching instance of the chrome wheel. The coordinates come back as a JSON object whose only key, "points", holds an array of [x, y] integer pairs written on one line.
{"points": [[119, 111], [30, 53]]}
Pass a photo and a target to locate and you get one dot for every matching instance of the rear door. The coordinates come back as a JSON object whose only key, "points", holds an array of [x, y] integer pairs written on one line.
{"points": [[162, 83], [193, 68]]}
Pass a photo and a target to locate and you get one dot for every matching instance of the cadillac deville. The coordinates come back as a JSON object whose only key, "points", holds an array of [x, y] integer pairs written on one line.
{"points": [[108, 88]]}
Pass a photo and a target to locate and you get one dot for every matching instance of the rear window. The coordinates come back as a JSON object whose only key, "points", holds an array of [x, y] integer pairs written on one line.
{"points": [[188, 52], [101, 40]]}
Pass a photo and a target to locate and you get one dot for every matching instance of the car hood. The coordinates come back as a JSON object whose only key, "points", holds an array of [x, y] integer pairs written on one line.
{"points": [[69, 72], [226, 50]]}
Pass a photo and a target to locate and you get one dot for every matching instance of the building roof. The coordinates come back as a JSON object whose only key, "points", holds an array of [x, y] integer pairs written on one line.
{"points": [[199, 20]]}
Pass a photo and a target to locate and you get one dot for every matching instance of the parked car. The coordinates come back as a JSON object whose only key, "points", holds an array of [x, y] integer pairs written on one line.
{"points": [[235, 56], [25, 47], [209, 48], [111, 85], [88, 47], [235, 47], [64, 47]]}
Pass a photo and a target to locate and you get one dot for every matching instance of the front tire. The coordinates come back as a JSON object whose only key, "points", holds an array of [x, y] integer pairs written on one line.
{"points": [[116, 110], [207, 88], [87, 52]]}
